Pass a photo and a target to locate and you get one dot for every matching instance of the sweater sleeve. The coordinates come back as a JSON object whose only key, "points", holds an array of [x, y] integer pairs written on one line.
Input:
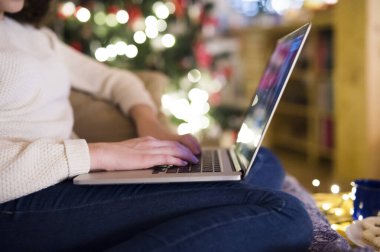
{"points": [[27, 167], [116, 85]]}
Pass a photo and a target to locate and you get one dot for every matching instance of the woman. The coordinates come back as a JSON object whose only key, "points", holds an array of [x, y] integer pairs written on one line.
{"points": [[42, 210]]}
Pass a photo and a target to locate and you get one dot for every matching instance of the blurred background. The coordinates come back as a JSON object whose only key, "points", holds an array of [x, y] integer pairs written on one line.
{"points": [[326, 129]]}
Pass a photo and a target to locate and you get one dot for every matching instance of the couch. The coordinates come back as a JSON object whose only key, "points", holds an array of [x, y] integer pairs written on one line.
{"points": [[100, 121]]}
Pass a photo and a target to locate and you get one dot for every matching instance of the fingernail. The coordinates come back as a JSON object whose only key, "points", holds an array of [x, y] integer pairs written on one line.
{"points": [[184, 163]]}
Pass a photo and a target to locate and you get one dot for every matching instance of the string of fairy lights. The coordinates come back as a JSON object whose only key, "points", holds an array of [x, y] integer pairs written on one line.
{"points": [[337, 207], [151, 27], [192, 108]]}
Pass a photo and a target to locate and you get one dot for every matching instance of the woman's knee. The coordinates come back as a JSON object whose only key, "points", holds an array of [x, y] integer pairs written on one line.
{"points": [[282, 221], [266, 171], [297, 226]]}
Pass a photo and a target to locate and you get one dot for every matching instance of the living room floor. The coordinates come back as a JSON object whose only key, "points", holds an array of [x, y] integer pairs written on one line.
{"points": [[298, 166]]}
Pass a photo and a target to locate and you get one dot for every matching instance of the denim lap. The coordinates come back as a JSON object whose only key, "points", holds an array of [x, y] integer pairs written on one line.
{"points": [[165, 217]]}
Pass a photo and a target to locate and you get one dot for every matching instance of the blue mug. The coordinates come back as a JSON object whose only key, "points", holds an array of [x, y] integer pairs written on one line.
{"points": [[367, 198]]}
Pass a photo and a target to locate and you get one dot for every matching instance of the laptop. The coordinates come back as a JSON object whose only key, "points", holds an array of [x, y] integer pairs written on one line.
{"points": [[226, 164]]}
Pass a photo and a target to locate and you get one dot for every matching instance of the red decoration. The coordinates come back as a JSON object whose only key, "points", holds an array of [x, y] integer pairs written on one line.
{"points": [[202, 56], [77, 45], [134, 13], [61, 16], [207, 19], [180, 7], [215, 99], [228, 71], [113, 9]]}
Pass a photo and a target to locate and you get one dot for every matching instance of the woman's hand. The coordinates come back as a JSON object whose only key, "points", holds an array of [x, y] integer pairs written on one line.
{"points": [[147, 124], [138, 153]]}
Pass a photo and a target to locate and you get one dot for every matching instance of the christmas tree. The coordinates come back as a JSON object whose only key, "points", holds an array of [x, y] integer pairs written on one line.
{"points": [[168, 36]]}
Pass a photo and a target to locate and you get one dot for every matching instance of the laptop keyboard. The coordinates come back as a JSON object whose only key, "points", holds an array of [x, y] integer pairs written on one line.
{"points": [[208, 162]]}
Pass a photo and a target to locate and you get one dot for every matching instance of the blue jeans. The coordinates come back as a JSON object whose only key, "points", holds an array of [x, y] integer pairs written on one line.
{"points": [[252, 215]]}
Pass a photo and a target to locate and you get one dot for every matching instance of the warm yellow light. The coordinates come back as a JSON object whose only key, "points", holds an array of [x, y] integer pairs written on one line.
{"points": [[315, 4], [111, 51], [122, 16], [101, 54], [180, 108], [167, 101], [121, 47], [68, 9], [161, 10], [339, 211], [198, 95], [132, 51], [100, 18], [335, 189], [151, 32], [150, 21], [83, 15], [139, 37], [331, 2], [205, 122], [316, 182], [161, 25], [353, 190], [280, 6], [346, 196], [168, 40], [111, 20], [326, 206], [194, 75], [184, 128]]}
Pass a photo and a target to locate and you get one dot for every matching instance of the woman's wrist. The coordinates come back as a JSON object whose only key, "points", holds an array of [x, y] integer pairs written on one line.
{"points": [[147, 123], [95, 154]]}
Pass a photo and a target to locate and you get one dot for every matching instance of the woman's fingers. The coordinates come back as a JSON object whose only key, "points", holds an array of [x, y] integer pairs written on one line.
{"points": [[163, 159], [191, 142], [140, 153], [173, 148], [177, 150]]}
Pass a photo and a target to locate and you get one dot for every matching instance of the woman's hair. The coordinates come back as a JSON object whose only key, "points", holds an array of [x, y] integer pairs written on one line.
{"points": [[34, 12]]}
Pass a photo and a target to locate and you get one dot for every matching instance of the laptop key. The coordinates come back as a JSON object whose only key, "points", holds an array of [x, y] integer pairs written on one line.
{"points": [[172, 170], [184, 169], [217, 168], [195, 168], [207, 168]]}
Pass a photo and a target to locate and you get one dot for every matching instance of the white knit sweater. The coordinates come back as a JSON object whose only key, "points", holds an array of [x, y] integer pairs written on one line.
{"points": [[36, 74]]}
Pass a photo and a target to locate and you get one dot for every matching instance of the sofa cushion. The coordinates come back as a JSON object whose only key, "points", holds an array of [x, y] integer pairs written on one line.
{"points": [[97, 120]]}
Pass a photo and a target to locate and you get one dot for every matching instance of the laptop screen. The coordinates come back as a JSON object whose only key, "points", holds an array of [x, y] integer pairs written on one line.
{"points": [[267, 95]]}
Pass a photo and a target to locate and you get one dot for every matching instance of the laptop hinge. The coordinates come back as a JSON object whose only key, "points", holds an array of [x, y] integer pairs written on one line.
{"points": [[235, 161]]}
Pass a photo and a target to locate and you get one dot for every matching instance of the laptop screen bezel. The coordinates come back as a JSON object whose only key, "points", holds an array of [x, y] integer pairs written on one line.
{"points": [[304, 30]]}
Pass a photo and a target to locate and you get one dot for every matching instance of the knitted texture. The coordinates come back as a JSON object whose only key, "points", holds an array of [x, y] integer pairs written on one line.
{"points": [[36, 74]]}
